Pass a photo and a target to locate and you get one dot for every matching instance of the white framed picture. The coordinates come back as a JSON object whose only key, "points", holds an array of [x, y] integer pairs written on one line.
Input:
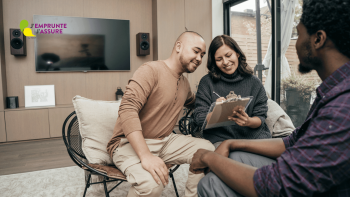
{"points": [[39, 96]]}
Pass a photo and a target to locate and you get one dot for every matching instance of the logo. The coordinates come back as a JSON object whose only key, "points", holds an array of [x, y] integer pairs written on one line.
{"points": [[25, 29], [47, 28]]}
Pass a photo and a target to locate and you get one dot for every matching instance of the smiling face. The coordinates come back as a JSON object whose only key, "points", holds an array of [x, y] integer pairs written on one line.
{"points": [[226, 59], [192, 53]]}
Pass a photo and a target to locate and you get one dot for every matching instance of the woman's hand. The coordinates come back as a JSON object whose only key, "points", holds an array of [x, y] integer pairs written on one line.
{"points": [[240, 117], [220, 99]]}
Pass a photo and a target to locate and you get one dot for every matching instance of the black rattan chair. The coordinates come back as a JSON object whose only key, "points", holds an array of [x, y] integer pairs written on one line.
{"points": [[188, 126], [73, 141]]}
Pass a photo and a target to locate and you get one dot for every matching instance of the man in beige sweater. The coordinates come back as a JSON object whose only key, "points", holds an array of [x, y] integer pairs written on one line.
{"points": [[143, 141]]}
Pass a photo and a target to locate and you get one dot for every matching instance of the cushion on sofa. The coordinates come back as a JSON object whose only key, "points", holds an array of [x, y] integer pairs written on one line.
{"points": [[278, 121], [96, 123]]}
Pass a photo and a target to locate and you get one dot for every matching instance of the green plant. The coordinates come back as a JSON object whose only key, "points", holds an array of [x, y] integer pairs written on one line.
{"points": [[299, 82]]}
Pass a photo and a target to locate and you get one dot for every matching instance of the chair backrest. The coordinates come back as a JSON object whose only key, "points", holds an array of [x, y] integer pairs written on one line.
{"points": [[71, 136], [74, 137], [188, 126]]}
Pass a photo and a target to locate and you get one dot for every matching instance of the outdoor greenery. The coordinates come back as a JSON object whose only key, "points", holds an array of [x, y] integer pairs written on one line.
{"points": [[300, 83]]}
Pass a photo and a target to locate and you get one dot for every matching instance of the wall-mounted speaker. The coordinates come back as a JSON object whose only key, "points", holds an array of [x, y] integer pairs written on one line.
{"points": [[142, 44], [17, 42]]}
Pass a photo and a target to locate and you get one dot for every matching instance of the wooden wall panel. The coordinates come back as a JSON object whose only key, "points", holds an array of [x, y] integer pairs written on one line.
{"points": [[171, 23], [3, 86], [56, 119], [198, 18], [27, 124], [155, 29], [172, 18], [2, 127], [95, 85]]}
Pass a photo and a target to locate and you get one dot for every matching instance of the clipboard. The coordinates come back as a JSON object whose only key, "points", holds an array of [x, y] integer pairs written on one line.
{"points": [[219, 111]]}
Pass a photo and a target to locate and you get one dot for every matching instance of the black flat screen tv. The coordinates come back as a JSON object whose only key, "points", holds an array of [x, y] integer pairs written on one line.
{"points": [[65, 44]]}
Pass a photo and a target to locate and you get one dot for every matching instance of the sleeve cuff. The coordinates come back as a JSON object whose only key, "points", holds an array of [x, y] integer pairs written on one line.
{"points": [[131, 125], [286, 141], [262, 120], [257, 180]]}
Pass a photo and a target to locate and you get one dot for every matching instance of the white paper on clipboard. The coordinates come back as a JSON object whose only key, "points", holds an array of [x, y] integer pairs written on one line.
{"points": [[218, 113]]}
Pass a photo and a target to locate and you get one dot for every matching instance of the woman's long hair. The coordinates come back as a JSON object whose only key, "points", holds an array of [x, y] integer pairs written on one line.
{"points": [[219, 41]]}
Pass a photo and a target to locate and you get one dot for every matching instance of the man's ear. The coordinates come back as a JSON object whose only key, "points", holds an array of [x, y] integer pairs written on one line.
{"points": [[320, 39], [178, 46]]}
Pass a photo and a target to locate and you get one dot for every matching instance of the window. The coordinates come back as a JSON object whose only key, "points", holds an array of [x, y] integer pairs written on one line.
{"points": [[297, 90], [292, 90]]}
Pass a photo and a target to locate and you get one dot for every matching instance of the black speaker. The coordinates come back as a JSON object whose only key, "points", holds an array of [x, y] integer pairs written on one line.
{"points": [[142, 44], [17, 42], [12, 102]]}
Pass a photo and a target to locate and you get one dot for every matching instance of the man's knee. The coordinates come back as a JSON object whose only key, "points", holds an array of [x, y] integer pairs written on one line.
{"points": [[144, 190], [207, 184], [142, 181], [237, 155], [212, 186]]}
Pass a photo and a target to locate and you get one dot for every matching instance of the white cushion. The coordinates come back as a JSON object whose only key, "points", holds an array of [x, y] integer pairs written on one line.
{"points": [[96, 123]]}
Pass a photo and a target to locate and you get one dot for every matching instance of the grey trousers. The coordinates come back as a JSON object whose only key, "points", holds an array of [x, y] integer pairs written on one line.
{"points": [[212, 186]]}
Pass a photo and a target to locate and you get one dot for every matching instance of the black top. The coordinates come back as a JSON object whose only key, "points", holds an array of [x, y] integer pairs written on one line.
{"points": [[241, 85]]}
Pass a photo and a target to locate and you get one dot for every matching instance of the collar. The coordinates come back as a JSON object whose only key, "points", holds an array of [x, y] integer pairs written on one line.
{"points": [[171, 71], [334, 79], [235, 77]]}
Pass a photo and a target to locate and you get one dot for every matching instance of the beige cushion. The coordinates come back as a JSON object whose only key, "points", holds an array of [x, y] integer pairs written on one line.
{"points": [[278, 121], [96, 123]]}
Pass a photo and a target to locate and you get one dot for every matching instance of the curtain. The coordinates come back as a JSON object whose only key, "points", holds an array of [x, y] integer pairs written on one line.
{"points": [[287, 19]]}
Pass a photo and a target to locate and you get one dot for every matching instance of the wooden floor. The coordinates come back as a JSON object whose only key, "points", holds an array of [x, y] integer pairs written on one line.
{"points": [[33, 155], [19, 157]]}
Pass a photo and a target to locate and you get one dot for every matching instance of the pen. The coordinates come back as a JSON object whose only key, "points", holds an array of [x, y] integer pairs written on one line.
{"points": [[216, 94]]}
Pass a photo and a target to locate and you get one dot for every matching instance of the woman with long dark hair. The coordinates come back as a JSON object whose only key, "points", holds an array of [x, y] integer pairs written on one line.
{"points": [[229, 71]]}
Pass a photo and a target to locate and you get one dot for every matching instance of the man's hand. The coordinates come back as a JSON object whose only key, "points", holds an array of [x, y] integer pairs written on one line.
{"points": [[156, 167], [198, 166], [224, 148]]}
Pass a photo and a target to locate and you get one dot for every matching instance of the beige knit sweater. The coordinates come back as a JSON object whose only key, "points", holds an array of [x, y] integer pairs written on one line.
{"points": [[152, 102]]}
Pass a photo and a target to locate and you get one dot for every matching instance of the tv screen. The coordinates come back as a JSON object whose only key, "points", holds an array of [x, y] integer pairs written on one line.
{"points": [[81, 44]]}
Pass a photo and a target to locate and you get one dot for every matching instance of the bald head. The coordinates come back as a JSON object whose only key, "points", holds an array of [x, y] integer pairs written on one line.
{"points": [[189, 50], [188, 38], [188, 34]]}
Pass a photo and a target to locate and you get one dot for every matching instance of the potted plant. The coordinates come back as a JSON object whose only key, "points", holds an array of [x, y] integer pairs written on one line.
{"points": [[297, 91]]}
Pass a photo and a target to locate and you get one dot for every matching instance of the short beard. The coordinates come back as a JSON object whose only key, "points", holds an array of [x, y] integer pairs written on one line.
{"points": [[303, 69], [184, 64]]}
